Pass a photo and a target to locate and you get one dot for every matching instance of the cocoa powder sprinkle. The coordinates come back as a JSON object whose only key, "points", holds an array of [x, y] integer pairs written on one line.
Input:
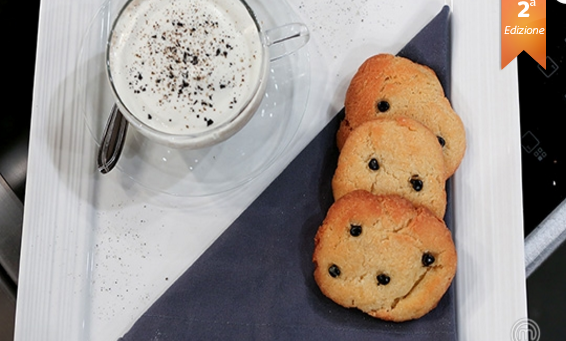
{"points": [[184, 61]]}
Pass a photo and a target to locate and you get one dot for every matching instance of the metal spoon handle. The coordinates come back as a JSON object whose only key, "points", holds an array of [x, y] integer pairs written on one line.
{"points": [[112, 141]]}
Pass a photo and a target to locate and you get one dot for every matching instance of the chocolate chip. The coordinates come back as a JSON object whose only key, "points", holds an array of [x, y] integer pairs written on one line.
{"points": [[441, 141], [417, 184], [383, 279], [373, 164], [382, 106], [427, 259], [334, 270], [355, 230]]}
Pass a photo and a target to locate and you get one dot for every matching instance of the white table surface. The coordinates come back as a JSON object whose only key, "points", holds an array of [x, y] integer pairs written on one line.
{"points": [[94, 247]]}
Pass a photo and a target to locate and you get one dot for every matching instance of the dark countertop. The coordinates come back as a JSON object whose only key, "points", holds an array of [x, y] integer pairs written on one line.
{"points": [[14, 135]]}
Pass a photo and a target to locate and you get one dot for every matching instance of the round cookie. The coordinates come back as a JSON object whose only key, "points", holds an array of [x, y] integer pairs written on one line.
{"points": [[386, 85], [393, 156], [384, 256]]}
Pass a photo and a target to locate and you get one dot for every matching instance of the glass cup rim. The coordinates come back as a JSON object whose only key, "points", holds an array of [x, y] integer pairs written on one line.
{"points": [[186, 139]]}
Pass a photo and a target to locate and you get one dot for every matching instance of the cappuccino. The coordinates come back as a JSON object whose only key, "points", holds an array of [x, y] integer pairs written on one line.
{"points": [[185, 66]]}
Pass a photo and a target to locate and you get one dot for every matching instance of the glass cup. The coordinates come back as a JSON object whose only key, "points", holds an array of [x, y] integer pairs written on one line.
{"points": [[192, 73]]}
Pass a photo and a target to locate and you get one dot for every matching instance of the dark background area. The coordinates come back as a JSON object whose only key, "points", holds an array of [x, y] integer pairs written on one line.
{"points": [[542, 95], [18, 22]]}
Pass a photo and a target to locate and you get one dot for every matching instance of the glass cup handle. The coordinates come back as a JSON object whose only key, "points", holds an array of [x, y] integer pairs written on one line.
{"points": [[286, 39]]}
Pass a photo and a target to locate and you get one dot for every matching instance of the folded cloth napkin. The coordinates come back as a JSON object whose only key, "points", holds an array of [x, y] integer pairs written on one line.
{"points": [[256, 281]]}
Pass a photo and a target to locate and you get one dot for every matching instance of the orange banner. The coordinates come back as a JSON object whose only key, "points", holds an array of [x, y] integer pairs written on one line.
{"points": [[523, 28]]}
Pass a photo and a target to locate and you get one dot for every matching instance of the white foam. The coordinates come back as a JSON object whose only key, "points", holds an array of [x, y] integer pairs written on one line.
{"points": [[185, 66]]}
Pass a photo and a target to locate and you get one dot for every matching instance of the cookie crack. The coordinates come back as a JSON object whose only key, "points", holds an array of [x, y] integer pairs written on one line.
{"points": [[401, 226], [417, 282]]}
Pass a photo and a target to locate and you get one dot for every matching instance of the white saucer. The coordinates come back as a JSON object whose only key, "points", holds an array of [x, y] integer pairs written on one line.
{"points": [[214, 169]]}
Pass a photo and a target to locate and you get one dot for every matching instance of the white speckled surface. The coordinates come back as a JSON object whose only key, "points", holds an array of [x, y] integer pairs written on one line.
{"points": [[97, 251]]}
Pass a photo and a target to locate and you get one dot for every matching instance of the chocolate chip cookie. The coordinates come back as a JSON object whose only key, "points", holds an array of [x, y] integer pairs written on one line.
{"points": [[393, 155], [387, 85], [384, 256]]}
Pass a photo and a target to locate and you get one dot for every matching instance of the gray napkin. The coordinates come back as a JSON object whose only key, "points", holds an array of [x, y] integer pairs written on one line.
{"points": [[256, 281]]}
